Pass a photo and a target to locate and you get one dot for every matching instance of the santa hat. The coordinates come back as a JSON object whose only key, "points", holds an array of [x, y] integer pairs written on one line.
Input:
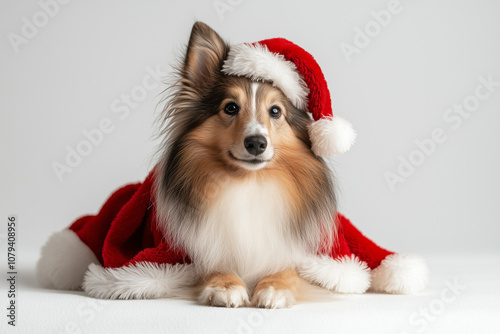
{"points": [[295, 71]]}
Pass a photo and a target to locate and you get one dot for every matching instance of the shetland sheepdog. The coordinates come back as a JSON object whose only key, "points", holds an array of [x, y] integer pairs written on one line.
{"points": [[238, 186], [241, 208]]}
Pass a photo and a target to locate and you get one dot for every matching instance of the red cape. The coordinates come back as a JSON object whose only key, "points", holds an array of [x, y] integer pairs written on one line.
{"points": [[125, 232]]}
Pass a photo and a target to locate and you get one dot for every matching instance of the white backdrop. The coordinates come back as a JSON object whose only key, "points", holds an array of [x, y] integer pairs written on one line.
{"points": [[419, 80]]}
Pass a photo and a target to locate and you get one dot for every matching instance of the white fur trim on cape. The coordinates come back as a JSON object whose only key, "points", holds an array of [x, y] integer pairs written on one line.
{"points": [[144, 280], [256, 62], [331, 136], [400, 274], [347, 274], [64, 261]]}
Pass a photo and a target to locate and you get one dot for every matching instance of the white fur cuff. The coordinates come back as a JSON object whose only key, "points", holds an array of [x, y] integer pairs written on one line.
{"points": [[347, 274], [258, 63], [144, 280]]}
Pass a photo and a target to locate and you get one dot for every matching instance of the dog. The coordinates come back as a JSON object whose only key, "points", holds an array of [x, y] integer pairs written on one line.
{"points": [[242, 197], [239, 187]]}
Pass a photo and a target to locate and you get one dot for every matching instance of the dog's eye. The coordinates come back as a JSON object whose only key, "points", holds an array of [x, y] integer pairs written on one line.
{"points": [[275, 112], [231, 108]]}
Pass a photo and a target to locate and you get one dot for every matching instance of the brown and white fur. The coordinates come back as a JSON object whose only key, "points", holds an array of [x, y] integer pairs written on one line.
{"points": [[245, 220]]}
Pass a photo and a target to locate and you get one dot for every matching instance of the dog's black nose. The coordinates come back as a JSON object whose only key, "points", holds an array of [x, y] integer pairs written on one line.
{"points": [[255, 144]]}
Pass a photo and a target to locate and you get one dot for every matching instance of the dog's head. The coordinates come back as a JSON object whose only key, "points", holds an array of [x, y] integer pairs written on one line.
{"points": [[245, 125], [221, 130]]}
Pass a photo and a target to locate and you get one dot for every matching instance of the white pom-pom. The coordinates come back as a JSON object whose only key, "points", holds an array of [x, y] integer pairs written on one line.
{"points": [[400, 274], [64, 261], [331, 136]]}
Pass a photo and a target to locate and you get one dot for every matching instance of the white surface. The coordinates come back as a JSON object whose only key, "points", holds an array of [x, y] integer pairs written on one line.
{"points": [[395, 91], [472, 308]]}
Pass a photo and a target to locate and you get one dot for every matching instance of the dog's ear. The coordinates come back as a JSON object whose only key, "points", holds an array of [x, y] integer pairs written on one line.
{"points": [[205, 54]]}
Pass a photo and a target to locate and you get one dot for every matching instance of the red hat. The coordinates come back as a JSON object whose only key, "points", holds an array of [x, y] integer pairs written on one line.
{"points": [[295, 71]]}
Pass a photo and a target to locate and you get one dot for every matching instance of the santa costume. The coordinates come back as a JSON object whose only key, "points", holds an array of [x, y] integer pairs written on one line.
{"points": [[120, 252]]}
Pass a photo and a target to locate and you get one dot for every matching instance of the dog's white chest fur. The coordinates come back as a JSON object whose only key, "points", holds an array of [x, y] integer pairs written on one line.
{"points": [[246, 232]]}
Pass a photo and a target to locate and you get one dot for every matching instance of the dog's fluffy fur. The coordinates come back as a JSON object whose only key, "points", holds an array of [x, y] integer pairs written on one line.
{"points": [[245, 224]]}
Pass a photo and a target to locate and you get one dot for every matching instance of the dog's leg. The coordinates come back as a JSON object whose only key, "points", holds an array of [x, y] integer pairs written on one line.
{"points": [[226, 290], [277, 291]]}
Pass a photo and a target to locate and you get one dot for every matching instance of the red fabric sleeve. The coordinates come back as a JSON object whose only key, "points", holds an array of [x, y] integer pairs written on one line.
{"points": [[163, 253], [360, 245], [93, 229], [124, 231]]}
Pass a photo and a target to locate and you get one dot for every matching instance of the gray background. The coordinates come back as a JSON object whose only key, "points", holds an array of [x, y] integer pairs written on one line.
{"points": [[395, 91]]}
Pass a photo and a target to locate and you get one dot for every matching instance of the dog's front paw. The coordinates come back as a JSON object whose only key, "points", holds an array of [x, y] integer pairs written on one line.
{"points": [[272, 298], [232, 296]]}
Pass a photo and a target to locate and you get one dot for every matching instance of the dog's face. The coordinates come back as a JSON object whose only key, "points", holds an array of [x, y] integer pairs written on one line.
{"points": [[251, 124], [247, 125]]}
